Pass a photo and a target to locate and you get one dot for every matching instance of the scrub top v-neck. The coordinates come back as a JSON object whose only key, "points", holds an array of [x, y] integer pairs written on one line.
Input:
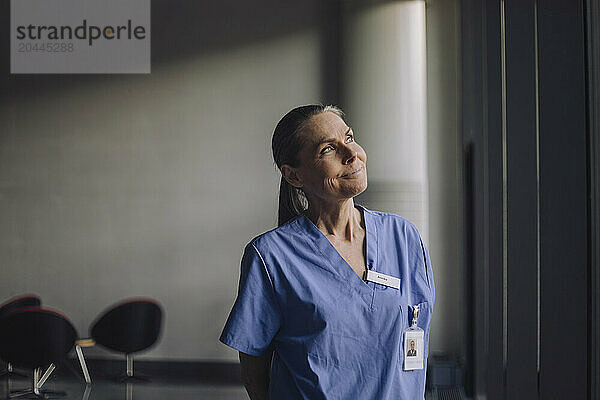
{"points": [[330, 254], [334, 335]]}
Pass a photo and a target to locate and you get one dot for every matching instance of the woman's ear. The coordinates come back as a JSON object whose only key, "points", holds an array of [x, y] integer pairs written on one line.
{"points": [[290, 174]]}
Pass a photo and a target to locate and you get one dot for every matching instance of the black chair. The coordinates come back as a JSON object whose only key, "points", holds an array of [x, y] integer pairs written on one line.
{"points": [[35, 338], [14, 303], [128, 327]]}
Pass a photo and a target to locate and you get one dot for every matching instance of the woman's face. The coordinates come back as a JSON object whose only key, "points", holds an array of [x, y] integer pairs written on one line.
{"points": [[332, 165]]}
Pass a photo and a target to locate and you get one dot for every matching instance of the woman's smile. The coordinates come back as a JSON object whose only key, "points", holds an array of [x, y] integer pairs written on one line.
{"points": [[353, 174]]}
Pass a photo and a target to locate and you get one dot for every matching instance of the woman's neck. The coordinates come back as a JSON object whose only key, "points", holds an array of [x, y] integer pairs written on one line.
{"points": [[341, 220]]}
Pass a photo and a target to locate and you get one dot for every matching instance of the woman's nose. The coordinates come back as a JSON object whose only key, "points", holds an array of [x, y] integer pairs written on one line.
{"points": [[351, 154]]}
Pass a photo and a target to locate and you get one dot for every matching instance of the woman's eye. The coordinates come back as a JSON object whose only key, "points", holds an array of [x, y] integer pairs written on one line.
{"points": [[323, 151]]}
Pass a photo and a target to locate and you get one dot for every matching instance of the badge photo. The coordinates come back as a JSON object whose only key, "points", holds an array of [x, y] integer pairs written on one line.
{"points": [[414, 340]]}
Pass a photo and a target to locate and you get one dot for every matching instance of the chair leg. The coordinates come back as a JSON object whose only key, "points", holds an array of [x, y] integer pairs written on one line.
{"points": [[46, 375], [37, 381], [129, 361], [83, 365], [34, 391], [129, 374], [9, 372]]}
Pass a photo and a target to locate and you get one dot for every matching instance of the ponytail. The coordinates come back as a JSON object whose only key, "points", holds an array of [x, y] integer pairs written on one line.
{"points": [[292, 202]]}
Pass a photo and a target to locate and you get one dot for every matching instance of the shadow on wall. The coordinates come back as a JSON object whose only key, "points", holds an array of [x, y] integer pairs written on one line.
{"points": [[182, 29]]}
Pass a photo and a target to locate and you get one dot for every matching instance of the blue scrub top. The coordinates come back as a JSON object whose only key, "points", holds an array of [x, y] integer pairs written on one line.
{"points": [[334, 335]]}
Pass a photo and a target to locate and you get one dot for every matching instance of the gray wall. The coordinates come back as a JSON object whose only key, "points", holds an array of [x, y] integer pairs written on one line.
{"points": [[444, 148], [385, 94], [117, 186], [124, 185]]}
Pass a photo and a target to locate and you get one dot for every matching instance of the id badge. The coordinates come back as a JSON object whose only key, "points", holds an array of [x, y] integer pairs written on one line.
{"points": [[414, 344]]}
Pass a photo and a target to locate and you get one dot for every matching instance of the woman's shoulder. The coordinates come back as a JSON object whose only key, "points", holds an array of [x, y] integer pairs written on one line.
{"points": [[389, 220], [389, 216], [280, 235]]}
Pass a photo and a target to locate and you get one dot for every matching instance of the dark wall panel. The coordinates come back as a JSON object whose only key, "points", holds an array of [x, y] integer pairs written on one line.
{"points": [[530, 199], [563, 205], [521, 200]]}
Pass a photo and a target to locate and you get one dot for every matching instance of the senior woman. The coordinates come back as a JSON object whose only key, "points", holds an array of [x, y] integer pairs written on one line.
{"points": [[329, 300]]}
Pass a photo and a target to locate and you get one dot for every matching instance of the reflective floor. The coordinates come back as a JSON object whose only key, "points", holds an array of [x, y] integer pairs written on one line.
{"points": [[106, 390]]}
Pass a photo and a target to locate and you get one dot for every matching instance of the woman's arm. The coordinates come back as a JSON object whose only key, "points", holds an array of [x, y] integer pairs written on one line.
{"points": [[255, 374]]}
